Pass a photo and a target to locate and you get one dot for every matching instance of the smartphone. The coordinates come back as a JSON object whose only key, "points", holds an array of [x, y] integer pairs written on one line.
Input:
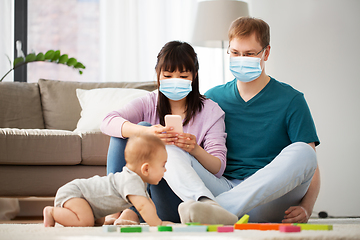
{"points": [[174, 121]]}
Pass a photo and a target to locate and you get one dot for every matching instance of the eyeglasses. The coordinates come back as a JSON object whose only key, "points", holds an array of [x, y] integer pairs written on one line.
{"points": [[248, 54]]}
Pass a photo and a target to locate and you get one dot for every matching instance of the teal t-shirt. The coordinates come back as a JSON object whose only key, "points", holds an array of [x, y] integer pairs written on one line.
{"points": [[259, 129]]}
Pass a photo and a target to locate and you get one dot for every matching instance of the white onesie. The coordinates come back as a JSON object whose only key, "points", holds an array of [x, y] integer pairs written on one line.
{"points": [[106, 195]]}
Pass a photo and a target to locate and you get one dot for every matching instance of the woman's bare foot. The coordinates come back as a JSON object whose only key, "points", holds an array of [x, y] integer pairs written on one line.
{"points": [[127, 217], [48, 218], [110, 219]]}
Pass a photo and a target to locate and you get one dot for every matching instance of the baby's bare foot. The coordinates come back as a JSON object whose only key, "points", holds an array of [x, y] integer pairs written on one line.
{"points": [[125, 222], [110, 219], [127, 217], [48, 218]]}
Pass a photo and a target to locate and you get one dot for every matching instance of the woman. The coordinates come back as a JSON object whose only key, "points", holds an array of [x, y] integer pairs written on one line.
{"points": [[201, 145]]}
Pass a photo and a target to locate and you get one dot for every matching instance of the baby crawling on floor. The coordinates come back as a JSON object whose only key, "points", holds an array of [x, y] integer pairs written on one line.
{"points": [[86, 202]]}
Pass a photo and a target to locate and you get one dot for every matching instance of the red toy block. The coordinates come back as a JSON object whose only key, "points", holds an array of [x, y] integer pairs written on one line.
{"points": [[225, 229], [289, 228]]}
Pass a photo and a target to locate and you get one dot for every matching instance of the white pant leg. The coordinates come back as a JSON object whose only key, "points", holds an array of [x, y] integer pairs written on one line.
{"points": [[182, 178], [214, 184], [293, 167]]}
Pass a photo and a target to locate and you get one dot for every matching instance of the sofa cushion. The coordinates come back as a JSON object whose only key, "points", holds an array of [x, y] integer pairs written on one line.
{"points": [[97, 103], [39, 147], [94, 148], [20, 105], [61, 107]]}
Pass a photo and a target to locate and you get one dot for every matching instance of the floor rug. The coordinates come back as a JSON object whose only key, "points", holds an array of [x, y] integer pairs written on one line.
{"points": [[342, 229]]}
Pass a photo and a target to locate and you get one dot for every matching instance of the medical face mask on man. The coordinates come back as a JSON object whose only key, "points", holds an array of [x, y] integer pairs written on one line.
{"points": [[245, 69], [175, 88]]}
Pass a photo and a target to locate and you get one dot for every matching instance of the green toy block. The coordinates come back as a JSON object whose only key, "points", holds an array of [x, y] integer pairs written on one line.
{"points": [[164, 228], [193, 223], [309, 226], [130, 229], [243, 219]]}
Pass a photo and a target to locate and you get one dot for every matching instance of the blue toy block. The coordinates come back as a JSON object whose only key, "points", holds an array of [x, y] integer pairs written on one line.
{"points": [[145, 228], [109, 228], [192, 228]]}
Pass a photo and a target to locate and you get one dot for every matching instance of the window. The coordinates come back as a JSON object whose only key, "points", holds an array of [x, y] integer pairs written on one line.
{"points": [[71, 26], [115, 40]]}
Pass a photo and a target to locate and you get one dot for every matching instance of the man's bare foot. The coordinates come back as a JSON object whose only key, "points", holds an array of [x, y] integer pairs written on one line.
{"points": [[127, 217], [48, 217]]}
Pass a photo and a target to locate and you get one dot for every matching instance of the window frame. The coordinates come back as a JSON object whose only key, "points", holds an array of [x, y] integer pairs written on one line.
{"points": [[20, 34]]}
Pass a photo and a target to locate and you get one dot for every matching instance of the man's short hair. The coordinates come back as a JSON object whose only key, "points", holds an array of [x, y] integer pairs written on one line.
{"points": [[246, 26]]}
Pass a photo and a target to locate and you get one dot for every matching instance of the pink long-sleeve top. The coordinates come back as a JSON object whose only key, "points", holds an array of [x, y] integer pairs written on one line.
{"points": [[208, 125]]}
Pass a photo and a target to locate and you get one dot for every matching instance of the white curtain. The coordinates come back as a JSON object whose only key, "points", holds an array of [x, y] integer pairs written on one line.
{"points": [[133, 32], [6, 41]]}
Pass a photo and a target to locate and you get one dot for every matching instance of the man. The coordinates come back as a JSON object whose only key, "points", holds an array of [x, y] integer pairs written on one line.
{"points": [[273, 174]]}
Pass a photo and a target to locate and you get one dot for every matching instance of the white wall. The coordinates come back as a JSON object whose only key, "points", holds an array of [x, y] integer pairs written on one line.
{"points": [[6, 40], [315, 47]]}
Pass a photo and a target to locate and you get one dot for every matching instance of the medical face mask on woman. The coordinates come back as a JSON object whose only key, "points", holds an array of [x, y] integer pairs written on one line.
{"points": [[245, 69], [175, 88]]}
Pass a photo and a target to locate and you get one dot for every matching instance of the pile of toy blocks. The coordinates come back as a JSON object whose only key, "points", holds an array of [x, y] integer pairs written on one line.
{"points": [[242, 224]]}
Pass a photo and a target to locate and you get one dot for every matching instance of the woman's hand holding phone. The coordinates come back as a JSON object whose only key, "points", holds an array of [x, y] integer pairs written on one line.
{"points": [[186, 141], [164, 133], [173, 134]]}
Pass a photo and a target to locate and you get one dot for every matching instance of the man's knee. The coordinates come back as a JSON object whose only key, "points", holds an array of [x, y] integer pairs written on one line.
{"points": [[305, 153]]}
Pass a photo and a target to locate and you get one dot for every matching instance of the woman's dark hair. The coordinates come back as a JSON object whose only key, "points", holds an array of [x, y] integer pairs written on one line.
{"points": [[179, 56]]}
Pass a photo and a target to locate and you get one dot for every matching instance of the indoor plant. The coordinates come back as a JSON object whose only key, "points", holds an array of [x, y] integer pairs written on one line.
{"points": [[49, 56]]}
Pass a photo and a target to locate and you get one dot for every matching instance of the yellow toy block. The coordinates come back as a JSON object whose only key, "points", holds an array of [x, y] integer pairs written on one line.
{"points": [[213, 228], [321, 227], [243, 219]]}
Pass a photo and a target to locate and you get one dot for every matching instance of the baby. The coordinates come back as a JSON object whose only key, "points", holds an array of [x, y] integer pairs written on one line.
{"points": [[86, 202]]}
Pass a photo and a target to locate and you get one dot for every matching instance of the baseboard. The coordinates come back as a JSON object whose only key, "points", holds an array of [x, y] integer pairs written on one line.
{"points": [[33, 206]]}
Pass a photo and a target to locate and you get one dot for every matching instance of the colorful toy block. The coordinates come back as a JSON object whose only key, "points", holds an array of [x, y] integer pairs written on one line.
{"points": [[109, 228], [130, 229], [244, 219], [164, 228], [213, 228], [225, 229], [145, 228], [309, 226], [193, 223], [259, 226], [193, 228], [289, 228], [249, 226]]}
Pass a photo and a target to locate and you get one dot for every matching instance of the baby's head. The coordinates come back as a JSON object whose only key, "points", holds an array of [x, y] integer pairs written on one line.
{"points": [[146, 155]]}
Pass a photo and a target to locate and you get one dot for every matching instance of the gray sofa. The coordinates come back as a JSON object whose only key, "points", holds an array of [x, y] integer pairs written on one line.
{"points": [[39, 150]]}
